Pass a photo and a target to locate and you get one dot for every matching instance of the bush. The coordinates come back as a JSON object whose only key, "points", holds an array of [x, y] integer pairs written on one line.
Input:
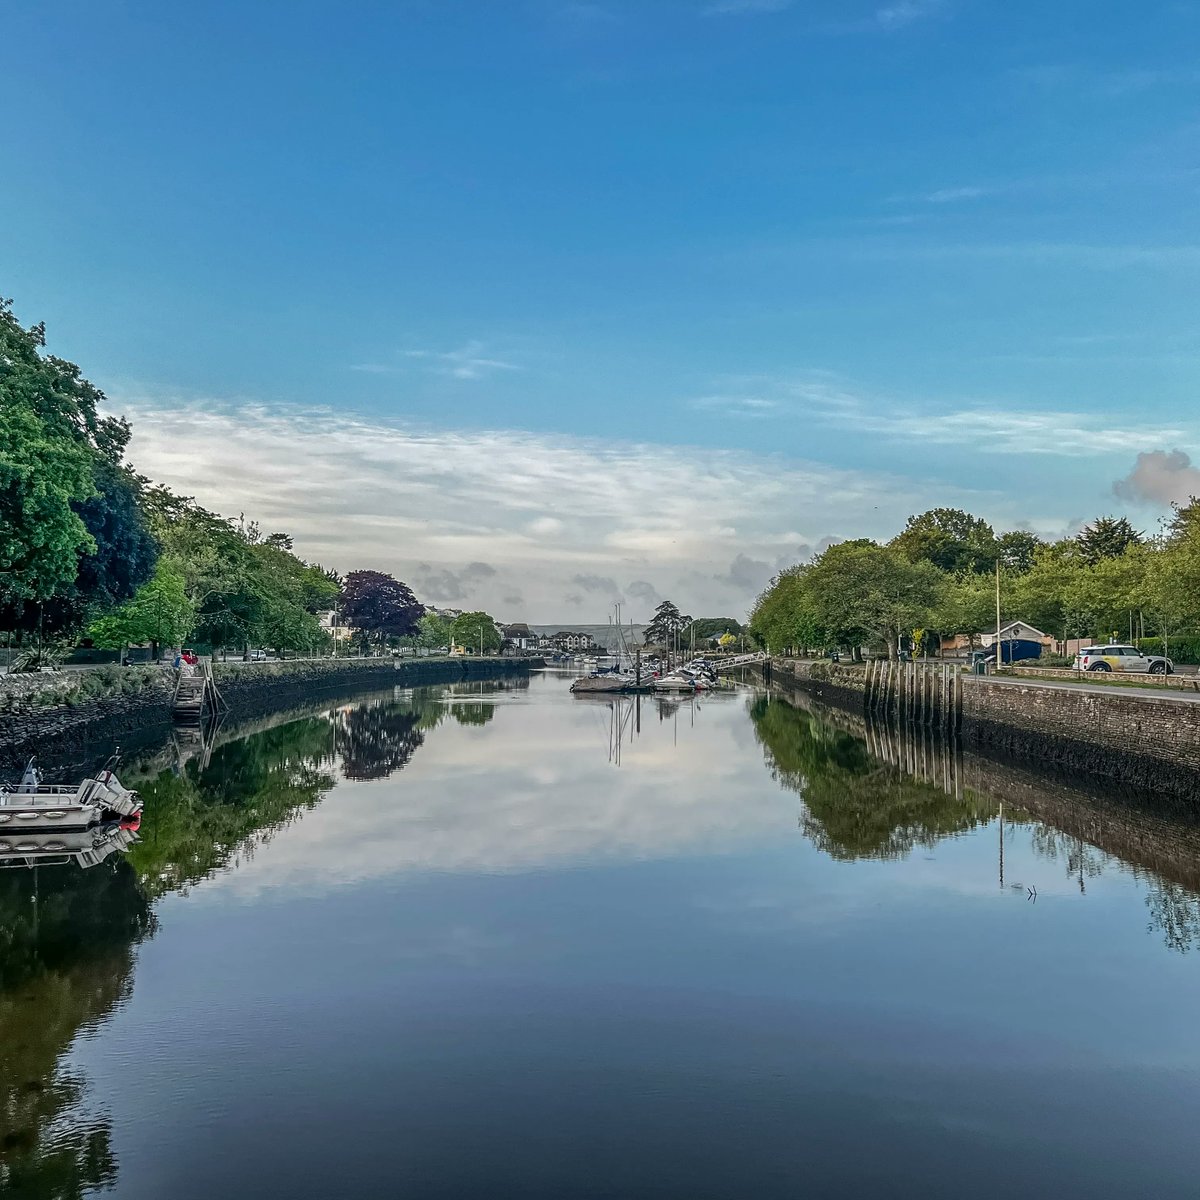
{"points": [[1184, 649]]}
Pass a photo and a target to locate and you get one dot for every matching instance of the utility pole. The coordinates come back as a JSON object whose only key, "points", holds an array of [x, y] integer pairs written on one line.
{"points": [[997, 615]]}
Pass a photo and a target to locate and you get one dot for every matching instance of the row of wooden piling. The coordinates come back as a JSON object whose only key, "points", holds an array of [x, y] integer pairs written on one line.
{"points": [[915, 693]]}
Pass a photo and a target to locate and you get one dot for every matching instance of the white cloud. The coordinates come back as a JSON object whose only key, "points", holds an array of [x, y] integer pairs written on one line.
{"points": [[427, 504], [1160, 477]]}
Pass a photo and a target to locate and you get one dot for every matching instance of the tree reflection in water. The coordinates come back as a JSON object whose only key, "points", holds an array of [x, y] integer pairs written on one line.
{"points": [[855, 806], [375, 740], [66, 961], [859, 804], [67, 936]]}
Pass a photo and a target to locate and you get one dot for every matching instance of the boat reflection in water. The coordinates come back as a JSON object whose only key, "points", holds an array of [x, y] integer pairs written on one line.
{"points": [[83, 847]]}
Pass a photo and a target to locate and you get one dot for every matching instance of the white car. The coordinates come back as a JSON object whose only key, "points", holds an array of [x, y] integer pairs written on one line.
{"points": [[1122, 658]]}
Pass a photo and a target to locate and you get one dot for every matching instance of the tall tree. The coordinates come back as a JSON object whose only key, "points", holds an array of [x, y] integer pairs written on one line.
{"points": [[1017, 550], [1106, 537], [160, 614], [950, 539], [665, 624], [433, 632], [475, 630], [52, 438], [380, 605], [864, 586]]}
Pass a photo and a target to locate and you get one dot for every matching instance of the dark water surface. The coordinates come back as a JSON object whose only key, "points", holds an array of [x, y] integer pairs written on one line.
{"points": [[498, 941]]}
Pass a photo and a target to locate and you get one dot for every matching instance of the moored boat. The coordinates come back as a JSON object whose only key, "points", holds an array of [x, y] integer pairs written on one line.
{"points": [[676, 681], [36, 806]]}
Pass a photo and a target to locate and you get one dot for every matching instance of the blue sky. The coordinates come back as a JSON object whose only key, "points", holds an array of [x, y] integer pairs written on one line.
{"points": [[651, 296]]}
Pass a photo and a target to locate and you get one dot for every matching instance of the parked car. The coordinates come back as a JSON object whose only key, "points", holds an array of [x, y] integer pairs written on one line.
{"points": [[1122, 658], [258, 656]]}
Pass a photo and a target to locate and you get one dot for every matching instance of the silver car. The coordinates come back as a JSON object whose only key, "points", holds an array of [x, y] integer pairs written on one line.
{"points": [[1122, 658]]}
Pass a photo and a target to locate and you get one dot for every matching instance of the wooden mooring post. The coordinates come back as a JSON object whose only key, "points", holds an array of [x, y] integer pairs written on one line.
{"points": [[925, 694]]}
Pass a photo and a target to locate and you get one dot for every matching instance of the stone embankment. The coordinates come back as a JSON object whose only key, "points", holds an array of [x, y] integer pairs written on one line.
{"points": [[1126, 735], [64, 716]]}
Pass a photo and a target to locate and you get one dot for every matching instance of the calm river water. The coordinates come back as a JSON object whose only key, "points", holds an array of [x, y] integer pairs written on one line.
{"points": [[492, 940]]}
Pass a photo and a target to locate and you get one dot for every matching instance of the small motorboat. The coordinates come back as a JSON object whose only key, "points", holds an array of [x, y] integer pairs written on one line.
{"points": [[37, 807], [676, 681], [604, 681]]}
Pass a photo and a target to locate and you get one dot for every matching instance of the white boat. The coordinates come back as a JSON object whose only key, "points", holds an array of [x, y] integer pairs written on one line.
{"points": [[676, 681], [609, 681], [36, 806]]}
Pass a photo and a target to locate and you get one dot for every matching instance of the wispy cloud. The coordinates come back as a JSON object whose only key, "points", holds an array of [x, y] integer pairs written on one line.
{"points": [[906, 12], [952, 195], [990, 428], [726, 8], [470, 361], [485, 514], [738, 405], [1090, 82]]}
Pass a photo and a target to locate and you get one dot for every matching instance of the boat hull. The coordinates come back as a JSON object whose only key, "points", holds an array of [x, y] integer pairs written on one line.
{"points": [[40, 817]]}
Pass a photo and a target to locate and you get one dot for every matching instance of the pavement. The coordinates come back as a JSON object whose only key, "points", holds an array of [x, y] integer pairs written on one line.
{"points": [[1096, 689]]}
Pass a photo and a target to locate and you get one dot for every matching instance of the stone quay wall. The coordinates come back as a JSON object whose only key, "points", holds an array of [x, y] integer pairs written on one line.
{"points": [[1124, 735], [53, 717]]}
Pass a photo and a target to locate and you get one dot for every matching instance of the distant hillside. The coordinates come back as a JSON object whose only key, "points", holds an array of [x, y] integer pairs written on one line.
{"points": [[602, 635]]}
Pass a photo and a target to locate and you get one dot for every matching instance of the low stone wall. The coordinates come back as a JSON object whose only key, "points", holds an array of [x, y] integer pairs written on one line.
{"points": [[75, 730], [842, 685]]}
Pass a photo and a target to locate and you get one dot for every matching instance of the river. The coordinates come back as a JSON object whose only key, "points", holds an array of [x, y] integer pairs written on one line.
{"points": [[495, 940]]}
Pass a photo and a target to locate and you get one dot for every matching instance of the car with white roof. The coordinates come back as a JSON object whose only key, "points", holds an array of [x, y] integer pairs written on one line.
{"points": [[1116, 657]]}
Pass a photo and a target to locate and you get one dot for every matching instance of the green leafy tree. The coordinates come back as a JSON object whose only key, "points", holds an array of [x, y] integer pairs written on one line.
{"points": [[862, 587], [433, 632], [52, 439], [950, 539], [968, 606], [783, 617], [123, 559], [160, 614], [473, 629], [1018, 550]]}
